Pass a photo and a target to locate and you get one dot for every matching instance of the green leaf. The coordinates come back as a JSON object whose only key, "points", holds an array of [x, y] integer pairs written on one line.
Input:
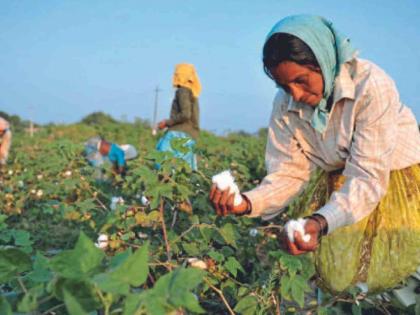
{"points": [[356, 309], [131, 304], [216, 256], [191, 249], [28, 303], [5, 308], [119, 258], [232, 265], [175, 288], [79, 262], [228, 233], [72, 305], [285, 284], [13, 262], [247, 306], [298, 287], [291, 263], [22, 238], [83, 291], [242, 291], [154, 304], [308, 267], [322, 311], [417, 307], [206, 233], [108, 283], [132, 271], [227, 251], [40, 272]]}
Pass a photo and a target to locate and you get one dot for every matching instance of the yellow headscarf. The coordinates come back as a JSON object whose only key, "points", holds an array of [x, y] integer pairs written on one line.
{"points": [[186, 76]]}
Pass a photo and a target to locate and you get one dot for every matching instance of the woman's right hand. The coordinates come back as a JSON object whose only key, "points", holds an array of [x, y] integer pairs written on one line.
{"points": [[223, 202]]}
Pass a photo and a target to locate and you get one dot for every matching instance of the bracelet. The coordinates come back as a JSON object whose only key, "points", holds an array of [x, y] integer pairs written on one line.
{"points": [[249, 210], [322, 223]]}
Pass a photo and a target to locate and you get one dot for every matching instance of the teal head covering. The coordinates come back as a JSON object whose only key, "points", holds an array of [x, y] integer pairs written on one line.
{"points": [[331, 50]]}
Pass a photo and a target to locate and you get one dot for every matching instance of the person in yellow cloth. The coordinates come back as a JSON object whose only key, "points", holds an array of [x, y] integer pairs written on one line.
{"points": [[184, 120], [5, 140], [341, 140]]}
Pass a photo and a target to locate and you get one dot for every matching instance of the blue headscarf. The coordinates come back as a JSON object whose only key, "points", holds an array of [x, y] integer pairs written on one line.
{"points": [[331, 50]]}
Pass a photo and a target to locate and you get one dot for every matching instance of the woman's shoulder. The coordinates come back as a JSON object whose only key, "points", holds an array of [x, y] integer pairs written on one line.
{"points": [[366, 74]]}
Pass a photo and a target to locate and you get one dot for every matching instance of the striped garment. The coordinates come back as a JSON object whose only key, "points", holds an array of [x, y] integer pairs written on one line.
{"points": [[369, 133], [5, 140]]}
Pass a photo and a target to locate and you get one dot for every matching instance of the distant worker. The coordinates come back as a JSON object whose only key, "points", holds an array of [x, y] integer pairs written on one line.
{"points": [[98, 150], [5, 140], [184, 119]]}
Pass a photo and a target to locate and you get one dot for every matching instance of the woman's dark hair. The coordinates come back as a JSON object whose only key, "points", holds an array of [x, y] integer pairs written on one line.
{"points": [[285, 47]]}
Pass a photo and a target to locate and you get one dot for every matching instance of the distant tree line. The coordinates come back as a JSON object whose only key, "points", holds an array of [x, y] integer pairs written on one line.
{"points": [[95, 118], [16, 122]]}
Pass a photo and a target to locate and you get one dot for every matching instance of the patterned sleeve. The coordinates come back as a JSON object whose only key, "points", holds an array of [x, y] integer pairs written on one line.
{"points": [[288, 168], [5, 146]]}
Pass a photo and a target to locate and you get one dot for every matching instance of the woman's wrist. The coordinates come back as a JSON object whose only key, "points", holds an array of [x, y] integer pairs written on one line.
{"points": [[322, 222], [249, 205]]}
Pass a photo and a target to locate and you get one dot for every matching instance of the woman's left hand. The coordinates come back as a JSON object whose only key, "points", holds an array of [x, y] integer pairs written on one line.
{"points": [[162, 124], [299, 246]]}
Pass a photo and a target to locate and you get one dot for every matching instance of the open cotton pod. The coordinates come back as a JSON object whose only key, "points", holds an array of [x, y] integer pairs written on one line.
{"points": [[197, 263], [116, 201], [102, 241]]}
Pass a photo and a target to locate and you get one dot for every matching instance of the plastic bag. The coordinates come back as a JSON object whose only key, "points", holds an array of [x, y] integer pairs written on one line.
{"points": [[381, 250], [130, 151]]}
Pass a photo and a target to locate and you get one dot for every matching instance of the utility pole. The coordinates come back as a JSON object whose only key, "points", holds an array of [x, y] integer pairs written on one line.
{"points": [[31, 123], [154, 130]]}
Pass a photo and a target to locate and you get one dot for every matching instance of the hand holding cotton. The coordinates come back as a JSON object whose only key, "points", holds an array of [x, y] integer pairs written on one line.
{"points": [[297, 226], [225, 180]]}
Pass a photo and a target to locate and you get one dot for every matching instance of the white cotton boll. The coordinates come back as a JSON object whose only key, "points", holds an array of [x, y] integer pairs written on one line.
{"points": [[225, 180], [362, 286], [10, 172], [144, 201], [102, 242], [39, 193], [142, 235], [67, 173], [40, 176], [197, 263], [253, 232], [20, 184], [116, 201], [297, 226]]}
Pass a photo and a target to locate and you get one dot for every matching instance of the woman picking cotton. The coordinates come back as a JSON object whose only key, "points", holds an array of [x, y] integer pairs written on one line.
{"points": [[5, 140], [99, 150], [184, 118], [341, 114]]}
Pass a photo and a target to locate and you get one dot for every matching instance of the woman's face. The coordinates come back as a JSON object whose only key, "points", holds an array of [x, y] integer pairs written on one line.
{"points": [[304, 83]]}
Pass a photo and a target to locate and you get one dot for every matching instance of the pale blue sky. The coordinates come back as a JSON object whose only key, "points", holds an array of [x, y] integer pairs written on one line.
{"points": [[61, 60]]}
